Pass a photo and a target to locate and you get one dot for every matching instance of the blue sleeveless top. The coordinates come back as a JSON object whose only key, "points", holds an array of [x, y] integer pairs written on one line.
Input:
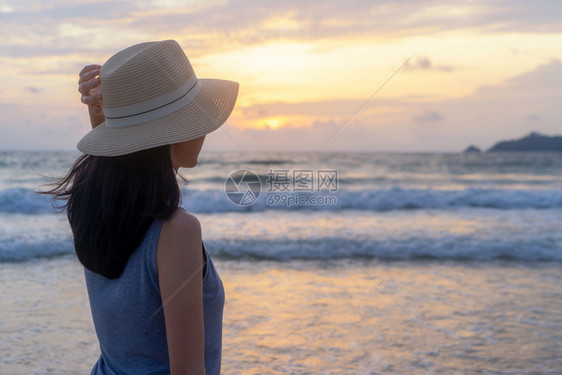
{"points": [[129, 319]]}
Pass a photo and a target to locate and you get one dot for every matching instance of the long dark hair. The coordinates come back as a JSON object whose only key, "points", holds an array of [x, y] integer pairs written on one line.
{"points": [[111, 202]]}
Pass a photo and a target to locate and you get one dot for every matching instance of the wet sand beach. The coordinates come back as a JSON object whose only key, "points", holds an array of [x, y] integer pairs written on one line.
{"points": [[321, 317]]}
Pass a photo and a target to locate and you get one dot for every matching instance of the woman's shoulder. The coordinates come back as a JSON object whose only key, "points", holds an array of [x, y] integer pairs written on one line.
{"points": [[180, 234], [183, 221]]}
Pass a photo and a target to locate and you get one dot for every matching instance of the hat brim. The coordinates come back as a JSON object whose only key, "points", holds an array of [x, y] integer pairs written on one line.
{"points": [[206, 113]]}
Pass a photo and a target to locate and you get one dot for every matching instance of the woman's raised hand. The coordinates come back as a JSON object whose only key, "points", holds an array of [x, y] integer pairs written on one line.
{"points": [[89, 87]]}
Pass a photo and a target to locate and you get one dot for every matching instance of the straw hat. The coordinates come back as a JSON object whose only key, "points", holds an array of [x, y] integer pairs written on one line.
{"points": [[152, 97]]}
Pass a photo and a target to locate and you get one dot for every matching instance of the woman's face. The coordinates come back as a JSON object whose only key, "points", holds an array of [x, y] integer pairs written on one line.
{"points": [[184, 154]]}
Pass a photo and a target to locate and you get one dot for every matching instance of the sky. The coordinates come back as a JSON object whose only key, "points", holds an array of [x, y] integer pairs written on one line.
{"points": [[315, 75]]}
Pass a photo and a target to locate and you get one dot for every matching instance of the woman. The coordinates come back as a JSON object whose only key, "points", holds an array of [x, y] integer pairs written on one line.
{"points": [[155, 296]]}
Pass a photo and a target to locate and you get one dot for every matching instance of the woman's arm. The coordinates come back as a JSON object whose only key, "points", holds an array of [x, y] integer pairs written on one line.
{"points": [[89, 87], [179, 260]]}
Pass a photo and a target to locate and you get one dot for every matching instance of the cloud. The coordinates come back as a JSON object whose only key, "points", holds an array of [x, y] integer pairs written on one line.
{"points": [[526, 102], [57, 37], [533, 117], [487, 115], [39, 127], [424, 63], [546, 77], [288, 138], [65, 27], [253, 111], [61, 10], [33, 90], [429, 116], [319, 108]]}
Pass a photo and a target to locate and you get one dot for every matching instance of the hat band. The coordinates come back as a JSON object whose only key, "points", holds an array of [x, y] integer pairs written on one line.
{"points": [[153, 109]]}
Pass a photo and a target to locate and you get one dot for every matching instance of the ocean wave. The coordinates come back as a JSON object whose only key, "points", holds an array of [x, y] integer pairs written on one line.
{"points": [[413, 248], [449, 247], [378, 200], [26, 201]]}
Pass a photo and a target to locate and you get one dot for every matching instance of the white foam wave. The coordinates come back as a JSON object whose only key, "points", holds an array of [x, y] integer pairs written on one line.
{"points": [[26, 201], [395, 198], [447, 247]]}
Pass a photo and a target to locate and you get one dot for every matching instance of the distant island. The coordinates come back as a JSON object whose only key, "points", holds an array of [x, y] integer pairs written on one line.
{"points": [[472, 150], [534, 142]]}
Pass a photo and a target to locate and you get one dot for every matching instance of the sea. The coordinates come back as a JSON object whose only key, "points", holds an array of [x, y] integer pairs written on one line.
{"points": [[333, 263]]}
